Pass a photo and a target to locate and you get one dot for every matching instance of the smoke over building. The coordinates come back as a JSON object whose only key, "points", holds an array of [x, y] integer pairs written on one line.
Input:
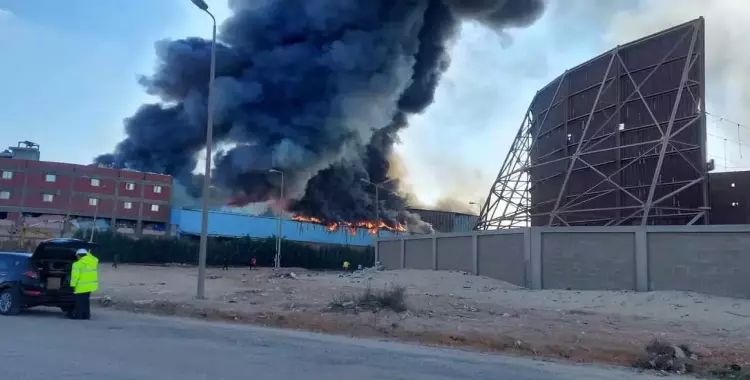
{"points": [[317, 89]]}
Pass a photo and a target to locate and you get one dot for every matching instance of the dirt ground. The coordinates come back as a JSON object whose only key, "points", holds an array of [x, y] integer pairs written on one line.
{"points": [[449, 308]]}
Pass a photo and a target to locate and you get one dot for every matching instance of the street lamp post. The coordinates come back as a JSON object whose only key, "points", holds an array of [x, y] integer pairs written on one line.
{"points": [[202, 5], [377, 211], [277, 258]]}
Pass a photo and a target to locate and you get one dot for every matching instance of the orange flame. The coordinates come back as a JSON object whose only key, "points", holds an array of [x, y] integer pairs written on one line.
{"points": [[309, 219], [371, 226]]}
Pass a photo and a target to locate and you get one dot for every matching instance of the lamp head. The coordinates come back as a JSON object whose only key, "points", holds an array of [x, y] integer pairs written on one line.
{"points": [[200, 4]]}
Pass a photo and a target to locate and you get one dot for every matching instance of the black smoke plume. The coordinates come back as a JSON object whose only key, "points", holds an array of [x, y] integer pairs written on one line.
{"points": [[315, 88]]}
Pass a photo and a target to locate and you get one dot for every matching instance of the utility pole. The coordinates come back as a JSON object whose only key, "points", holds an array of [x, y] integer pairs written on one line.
{"points": [[377, 211], [203, 247], [277, 257]]}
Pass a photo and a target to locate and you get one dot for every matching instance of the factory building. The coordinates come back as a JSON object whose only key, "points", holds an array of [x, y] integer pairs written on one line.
{"points": [[53, 198], [446, 221], [187, 222], [50, 199]]}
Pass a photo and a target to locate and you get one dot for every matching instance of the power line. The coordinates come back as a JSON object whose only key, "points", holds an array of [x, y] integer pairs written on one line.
{"points": [[723, 119]]}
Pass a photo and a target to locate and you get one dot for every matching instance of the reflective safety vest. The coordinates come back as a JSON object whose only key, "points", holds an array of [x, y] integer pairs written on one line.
{"points": [[85, 276]]}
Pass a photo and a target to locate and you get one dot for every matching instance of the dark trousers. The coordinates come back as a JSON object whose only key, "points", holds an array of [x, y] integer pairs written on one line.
{"points": [[82, 309]]}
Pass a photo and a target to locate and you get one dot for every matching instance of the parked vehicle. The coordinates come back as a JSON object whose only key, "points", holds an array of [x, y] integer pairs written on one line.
{"points": [[39, 279]]}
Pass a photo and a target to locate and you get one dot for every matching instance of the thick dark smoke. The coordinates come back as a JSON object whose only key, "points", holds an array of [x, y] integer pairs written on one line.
{"points": [[315, 88]]}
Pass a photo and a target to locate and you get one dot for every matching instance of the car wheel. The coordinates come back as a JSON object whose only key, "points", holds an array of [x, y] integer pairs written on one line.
{"points": [[10, 302]]}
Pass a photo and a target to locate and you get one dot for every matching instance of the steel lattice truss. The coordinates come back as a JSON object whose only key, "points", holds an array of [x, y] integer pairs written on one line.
{"points": [[619, 140]]}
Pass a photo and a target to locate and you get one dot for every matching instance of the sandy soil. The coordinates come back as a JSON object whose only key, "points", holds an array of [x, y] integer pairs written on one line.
{"points": [[450, 308]]}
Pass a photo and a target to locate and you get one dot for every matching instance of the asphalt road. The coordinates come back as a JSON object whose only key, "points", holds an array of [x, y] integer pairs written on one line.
{"points": [[113, 346]]}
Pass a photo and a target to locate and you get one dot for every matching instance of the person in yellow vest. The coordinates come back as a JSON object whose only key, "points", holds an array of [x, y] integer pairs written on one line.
{"points": [[346, 265], [84, 280]]}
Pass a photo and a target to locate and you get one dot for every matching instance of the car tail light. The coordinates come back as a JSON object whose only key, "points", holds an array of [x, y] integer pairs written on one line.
{"points": [[30, 274]]}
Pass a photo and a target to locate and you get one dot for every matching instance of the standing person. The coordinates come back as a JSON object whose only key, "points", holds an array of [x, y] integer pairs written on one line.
{"points": [[226, 261], [115, 259], [252, 263], [84, 280]]}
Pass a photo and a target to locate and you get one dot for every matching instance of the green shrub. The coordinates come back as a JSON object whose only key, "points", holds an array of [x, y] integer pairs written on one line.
{"points": [[161, 250]]}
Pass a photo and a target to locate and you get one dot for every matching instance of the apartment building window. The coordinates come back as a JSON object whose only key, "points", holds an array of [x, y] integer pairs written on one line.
{"points": [[93, 201], [49, 198], [50, 178], [127, 205], [157, 189], [154, 208], [95, 182], [130, 186], [7, 174], [4, 194]]}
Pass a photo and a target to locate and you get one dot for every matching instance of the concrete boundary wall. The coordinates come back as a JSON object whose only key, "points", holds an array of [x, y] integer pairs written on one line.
{"points": [[705, 259]]}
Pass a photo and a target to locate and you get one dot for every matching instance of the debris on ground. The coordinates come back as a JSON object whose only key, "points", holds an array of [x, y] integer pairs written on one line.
{"points": [[105, 301], [730, 372], [291, 275], [668, 358], [364, 271], [392, 298], [454, 308]]}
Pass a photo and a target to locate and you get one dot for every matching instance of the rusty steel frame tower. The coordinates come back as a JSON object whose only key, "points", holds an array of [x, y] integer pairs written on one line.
{"points": [[618, 140]]}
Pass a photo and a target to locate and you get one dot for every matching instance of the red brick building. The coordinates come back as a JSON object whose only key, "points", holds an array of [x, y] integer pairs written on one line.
{"points": [[77, 192]]}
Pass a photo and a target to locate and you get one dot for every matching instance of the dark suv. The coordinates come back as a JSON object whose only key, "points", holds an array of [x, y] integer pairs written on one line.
{"points": [[38, 279]]}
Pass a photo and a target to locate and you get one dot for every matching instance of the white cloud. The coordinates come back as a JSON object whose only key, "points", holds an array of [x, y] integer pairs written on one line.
{"points": [[482, 98], [727, 62]]}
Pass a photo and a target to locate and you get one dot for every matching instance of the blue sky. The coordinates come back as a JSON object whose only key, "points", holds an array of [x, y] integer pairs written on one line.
{"points": [[69, 69], [68, 76]]}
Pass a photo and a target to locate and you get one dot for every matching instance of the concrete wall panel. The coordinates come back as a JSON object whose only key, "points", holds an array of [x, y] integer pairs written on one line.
{"points": [[588, 261], [418, 253], [711, 262], [502, 257], [390, 254], [455, 253]]}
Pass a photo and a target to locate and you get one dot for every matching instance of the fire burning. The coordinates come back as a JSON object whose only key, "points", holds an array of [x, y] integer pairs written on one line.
{"points": [[371, 226]]}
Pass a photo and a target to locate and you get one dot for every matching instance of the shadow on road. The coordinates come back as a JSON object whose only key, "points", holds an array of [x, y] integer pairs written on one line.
{"points": [[42, 312]]}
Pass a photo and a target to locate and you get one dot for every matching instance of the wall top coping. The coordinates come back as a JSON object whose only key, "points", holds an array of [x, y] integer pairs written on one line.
{"points": [[736, 228]]}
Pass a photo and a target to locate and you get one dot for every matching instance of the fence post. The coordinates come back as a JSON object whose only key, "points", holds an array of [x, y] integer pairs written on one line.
{"points": [[474, 254], [527, 257], [434, 253], [377, 252], [641, 260], [403, 253], [535, 241]]}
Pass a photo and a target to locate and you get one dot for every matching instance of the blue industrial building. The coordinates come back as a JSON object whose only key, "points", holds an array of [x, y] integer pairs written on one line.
{"points": [[227, 224]]}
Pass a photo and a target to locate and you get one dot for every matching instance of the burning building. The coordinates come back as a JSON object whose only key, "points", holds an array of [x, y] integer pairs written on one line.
{"points": [[315, 89]]}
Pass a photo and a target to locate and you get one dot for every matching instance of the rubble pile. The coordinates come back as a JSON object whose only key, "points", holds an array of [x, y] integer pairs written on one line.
{"points": [[364, 271], [667, 358]]}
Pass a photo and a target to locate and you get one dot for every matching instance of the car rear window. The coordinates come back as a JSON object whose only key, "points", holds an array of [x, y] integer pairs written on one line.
{"points": [[8, 262]]}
